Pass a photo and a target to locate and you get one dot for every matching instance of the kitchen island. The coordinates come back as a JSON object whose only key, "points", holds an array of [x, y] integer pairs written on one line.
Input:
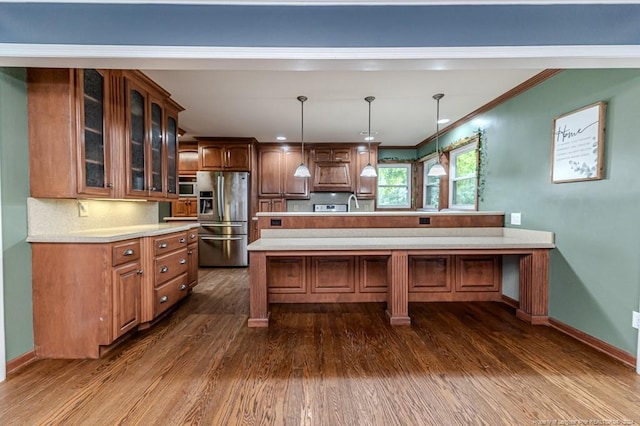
{"points": [[396, 265]]}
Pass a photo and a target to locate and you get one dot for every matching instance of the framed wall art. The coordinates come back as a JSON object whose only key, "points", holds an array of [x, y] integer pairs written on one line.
{"points": [[578, 144]]}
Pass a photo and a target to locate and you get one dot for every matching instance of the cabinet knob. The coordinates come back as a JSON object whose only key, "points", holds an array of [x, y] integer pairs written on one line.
{"points": [[164, 269], [192, 235], [183, 287], [127, 252], [110, 185], [163, 245], [164, 299], [140, 271], [190, 252], [182, 240], [183, 261]]}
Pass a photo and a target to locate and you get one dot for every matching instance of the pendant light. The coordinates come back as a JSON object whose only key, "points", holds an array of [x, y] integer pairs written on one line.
{"points": [[302, 170], [369, 170], [437, 169]]}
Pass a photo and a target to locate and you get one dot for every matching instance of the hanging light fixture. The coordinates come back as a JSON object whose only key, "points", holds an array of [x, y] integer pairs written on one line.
{"points": [[302, 170], [369, 170], [437, 169]]}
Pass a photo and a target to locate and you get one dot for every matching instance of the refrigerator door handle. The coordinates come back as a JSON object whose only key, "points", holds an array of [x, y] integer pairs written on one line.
{"points": [[220, 197], [221, 225], [221, 238]]}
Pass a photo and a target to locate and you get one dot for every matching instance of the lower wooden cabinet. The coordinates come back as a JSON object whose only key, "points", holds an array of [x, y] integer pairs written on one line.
{"points": [[272, 205], [87, 296], [184, 207], [366, 278]]}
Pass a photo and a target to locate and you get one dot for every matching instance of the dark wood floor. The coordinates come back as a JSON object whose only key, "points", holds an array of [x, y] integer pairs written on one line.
{"points": [[328, 365]]}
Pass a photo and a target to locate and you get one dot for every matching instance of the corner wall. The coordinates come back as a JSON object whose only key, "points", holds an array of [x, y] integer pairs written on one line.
{"points": [[14, 167], [594, 272]]}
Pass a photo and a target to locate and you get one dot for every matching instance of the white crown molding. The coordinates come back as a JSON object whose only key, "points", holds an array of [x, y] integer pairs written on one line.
{"points": [[281, 58], [334, 2]]}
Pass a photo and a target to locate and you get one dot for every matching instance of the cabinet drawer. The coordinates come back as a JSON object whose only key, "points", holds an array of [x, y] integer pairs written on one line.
{"points": [[168, 294], [192, 236], [125, 252], [169, 243], [169, 266]]}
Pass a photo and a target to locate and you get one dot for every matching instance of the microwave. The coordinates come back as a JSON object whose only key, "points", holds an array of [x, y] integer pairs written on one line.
{"points": [[187, 186]]}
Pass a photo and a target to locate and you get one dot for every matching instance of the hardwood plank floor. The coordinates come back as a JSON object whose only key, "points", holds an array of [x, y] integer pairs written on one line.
{"points": [[458, 363]]}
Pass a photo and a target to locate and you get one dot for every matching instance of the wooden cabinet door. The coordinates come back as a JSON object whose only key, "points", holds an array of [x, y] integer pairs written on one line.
{"points": [[211, 157], [95, 175], [192, 264], [238, 158], [136, 150], [332, 177], [156, 149], [127, 281], [270, 172], [341, 155], [184, 207], [366, 187], [171, 141], [187, 158], [292, 186], [278, 205]]}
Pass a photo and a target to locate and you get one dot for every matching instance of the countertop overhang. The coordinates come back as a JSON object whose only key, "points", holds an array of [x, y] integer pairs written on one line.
{"points": [[109, 235], [401, 239]]}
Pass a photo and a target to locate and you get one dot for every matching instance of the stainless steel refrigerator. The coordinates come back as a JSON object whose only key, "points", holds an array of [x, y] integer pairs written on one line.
{"points": [[223, 214]]}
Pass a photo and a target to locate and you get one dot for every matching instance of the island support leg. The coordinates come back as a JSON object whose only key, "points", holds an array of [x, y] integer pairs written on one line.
{"points": [[258, 302], [534, 287], [398, 296]]}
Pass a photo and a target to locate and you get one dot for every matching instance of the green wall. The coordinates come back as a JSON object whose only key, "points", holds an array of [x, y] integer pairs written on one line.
{"points": [[14, 169], [595, 269]]}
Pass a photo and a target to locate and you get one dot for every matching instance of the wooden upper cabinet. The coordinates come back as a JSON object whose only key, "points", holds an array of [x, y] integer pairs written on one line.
{"points": [[70, 133], [331, 169], [220, 154], [171, 141], [109, 126], [366, 187], [187, 158], [276, 166]]}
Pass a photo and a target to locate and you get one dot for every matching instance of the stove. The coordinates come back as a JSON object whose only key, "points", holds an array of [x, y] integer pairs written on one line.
{"points": [[330, 208]]}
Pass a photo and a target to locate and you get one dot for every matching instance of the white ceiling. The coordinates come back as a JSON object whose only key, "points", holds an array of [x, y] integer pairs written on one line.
{"points": [[263, 104]]}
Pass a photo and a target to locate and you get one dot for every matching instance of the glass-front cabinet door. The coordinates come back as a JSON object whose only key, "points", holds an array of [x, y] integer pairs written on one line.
{"points": [[136, 140], [157, 150], [94, 168], [172, 153]]}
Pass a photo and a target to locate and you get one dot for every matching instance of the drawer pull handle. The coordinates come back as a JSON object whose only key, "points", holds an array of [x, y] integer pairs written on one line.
{"points": [[127, 252], [183, 287], [164, 269], [183, 261], [182, 240], [164, 299], [190, 252], [140, 271], [163, 245], [192, 236]]}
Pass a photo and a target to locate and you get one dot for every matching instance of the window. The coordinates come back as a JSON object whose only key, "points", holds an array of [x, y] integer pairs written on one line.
{"points": [[394, 185], [463, 177], [431, 186]]}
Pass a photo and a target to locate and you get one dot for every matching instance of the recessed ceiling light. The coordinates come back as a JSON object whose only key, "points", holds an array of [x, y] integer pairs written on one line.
{"points": [[281, 138], [443, 121], [369, 138]]}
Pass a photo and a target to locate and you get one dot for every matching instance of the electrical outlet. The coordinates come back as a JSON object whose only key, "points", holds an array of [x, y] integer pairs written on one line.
{"points": [[516, 218], [635, 320], [295, 208], [83, 208]]}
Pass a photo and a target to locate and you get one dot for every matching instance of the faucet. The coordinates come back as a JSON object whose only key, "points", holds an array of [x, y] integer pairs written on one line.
{"points": [[355, 199]]}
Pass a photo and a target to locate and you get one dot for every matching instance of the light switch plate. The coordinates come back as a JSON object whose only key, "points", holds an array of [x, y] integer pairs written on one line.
{"points": [[83, 208], [635, 320], [516, 219]]}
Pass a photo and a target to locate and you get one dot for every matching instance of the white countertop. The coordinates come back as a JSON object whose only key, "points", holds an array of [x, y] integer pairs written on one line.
{"points": [[385, 213], [402, 239], [109, 235]]}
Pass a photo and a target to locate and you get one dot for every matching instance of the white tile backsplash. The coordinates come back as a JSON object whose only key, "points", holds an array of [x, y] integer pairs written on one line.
{"points": [[59, 216]]}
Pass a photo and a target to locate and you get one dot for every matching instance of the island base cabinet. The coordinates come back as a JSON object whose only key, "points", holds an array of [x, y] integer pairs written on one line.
{"points": [[396, 277]]}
